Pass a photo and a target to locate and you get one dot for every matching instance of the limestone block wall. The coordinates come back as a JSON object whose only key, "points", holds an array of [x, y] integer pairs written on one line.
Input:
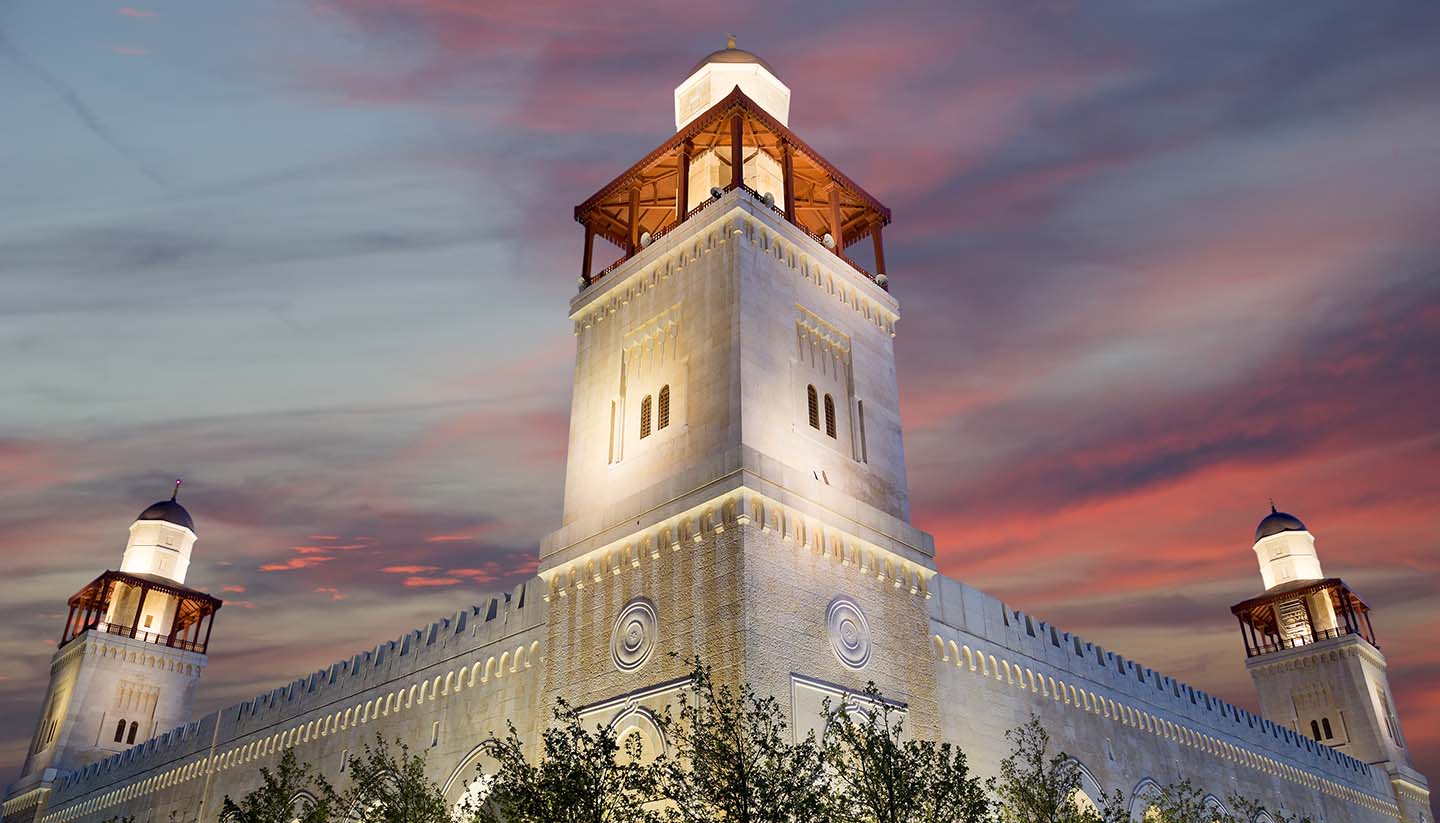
{"points": [[442, 689], [1131, 727]]}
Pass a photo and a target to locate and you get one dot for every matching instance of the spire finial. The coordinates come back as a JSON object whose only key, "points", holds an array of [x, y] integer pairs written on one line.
{"points": [[729, 41], [176, 493], [1272, 506]]}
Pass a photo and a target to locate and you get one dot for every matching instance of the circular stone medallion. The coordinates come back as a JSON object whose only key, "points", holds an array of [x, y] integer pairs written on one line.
{"points": [[633, 638], [849, 632]]}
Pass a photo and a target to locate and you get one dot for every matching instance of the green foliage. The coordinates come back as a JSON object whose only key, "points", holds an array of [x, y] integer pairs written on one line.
{"points": [[1036, 787], [881, 777], [584, 776], [734, 760], [1184, 803], [386, 787], [282, 796]]}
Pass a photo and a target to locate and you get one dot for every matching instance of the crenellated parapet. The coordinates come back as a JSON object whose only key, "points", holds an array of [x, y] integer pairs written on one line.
{"points": [[975, 633], [470, 650]]}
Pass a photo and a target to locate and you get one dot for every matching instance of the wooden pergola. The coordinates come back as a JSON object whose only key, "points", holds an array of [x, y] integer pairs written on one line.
{"points": [[1259, 616], [651, 196], [89, 606]]}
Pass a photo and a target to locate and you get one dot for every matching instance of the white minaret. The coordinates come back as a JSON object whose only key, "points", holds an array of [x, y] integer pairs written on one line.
{"points": [[129, 658], [1315, 661]]}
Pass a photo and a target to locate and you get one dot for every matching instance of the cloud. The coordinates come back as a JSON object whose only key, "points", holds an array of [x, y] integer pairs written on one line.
{"points": [[420, 582], [409, 569], [295, 563], [237, 589], [335, 594]]}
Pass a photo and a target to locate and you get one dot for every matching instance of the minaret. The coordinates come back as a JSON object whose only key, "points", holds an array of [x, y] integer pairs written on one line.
{"points": [[1315, 661], [130, 655], [735, 483]]}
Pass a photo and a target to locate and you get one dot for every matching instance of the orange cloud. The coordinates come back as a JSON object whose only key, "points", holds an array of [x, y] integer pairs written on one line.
{"points": [[335, 594], [409, 569], [296, 563], [420, 582]]}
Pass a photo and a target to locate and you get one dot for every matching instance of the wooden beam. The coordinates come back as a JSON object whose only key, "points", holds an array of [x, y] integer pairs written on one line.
{"points": [[787, 176], [682, 181], [589, 253], [632, 231], [879, 250], [737, 150], [837, 228]]}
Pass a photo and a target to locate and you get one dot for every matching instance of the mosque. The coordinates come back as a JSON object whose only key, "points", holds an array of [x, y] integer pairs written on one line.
{"points": [[736, 489]]}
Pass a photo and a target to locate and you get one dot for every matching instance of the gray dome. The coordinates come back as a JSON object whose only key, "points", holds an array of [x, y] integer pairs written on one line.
{"points": [[170, 512], [730, 55], [1277, 522]]}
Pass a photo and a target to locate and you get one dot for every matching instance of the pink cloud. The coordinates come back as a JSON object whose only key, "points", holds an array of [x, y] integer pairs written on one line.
{"points": [[409, 569], [237, 589], [449, 538], [296, 563], [335, 594], [420, 582]]}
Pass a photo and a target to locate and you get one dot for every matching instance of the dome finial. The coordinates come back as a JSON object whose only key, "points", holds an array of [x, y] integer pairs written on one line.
{"points": [[729, 41], [1272, 505], [176, 493]]}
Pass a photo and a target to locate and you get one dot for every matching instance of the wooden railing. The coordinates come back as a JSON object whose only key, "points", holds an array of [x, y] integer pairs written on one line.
{"points": [[142, 635], [1285, 643], [710, 201]]}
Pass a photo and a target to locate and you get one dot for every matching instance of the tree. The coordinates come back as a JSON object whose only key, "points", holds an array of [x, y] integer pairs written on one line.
{"points": [[1035, 787], [386, 788], [583, 776], [1184, 803], [880, 777], [734, 759], [293, 792]]}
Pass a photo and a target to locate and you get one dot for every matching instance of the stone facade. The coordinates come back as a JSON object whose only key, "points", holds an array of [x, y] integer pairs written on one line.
{"points": [[735, 490]]}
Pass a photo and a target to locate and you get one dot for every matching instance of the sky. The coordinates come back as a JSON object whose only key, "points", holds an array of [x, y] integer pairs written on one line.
{"points": [[1157, 263]]}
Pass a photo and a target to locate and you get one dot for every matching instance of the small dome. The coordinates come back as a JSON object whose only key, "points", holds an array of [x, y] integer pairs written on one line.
{"points": [[170, 512], [1277, 522], [730, 55]]}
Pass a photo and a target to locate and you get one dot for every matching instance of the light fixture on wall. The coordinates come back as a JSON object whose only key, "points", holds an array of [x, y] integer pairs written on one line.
{"points": [[645, 239], [716, 192], [768, 199], [827, 241]]}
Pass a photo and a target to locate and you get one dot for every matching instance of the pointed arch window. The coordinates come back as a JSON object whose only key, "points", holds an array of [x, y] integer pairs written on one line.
{"points": [[829, 415], [814, 402], [662, 414], [134, 727], [645, 417], [120, 731]]}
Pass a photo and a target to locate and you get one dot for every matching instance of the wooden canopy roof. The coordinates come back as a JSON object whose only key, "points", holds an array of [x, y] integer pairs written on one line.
{"points": [[652, 189], [1340, 593]]}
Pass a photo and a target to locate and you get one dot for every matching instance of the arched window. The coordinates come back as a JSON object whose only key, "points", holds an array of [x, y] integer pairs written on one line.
{"points": [[829, 415], [120, 731], [1315, 729], [1325, 724], [134, 727], [662, 416], [814, 406], [645, 417]]}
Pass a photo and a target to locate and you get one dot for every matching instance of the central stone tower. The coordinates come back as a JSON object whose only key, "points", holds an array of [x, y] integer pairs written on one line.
{"points": [[735, 486]]}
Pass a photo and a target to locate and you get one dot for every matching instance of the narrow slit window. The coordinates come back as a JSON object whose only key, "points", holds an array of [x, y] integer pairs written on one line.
{"points": [[1325, 726], [134, 727], [829, 415], [860, 422], [645, 417], [814, 400], [663, 414], [120, 732], [1315, 729]]}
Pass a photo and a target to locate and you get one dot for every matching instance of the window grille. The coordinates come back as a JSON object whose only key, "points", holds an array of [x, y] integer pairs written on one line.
{"points": [[663, 414], [814, 407], [645, 417], [829, 415]]}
